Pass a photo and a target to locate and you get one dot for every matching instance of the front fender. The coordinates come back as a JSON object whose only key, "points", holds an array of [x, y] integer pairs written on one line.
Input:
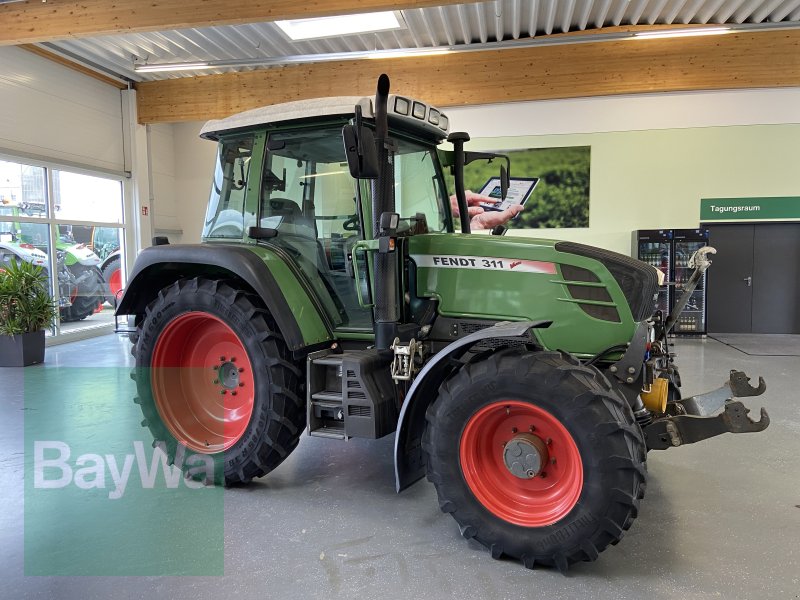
{"points": [[80, 254], [408, 464]]}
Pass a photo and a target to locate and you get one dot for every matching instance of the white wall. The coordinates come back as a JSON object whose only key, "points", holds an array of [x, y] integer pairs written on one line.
{"points": [[51, 112], [655, 179], [181, 168], [164, 202], [679, 110], [653, 156], [194, 166]]}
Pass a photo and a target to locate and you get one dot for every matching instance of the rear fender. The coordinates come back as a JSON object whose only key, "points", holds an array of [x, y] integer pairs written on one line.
{"points": [[408, 463], [159, 266]]}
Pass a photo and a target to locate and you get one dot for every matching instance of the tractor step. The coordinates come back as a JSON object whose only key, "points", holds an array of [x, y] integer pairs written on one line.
{"points": [[351, 395]]}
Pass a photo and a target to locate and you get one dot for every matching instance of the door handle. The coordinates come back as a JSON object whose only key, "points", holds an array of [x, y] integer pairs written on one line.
{"points": [[749, 280]]}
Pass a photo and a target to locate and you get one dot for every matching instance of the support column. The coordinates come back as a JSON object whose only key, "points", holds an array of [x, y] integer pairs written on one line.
{"points": [[140, 188]]}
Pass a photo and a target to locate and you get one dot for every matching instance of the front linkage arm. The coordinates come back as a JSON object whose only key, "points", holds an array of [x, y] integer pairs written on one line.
{"points": [[690, 420]]}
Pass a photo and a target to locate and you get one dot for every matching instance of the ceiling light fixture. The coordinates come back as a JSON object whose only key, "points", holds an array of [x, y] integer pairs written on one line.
{"points": [[323, 27], [286, 60], [156, 68], [405, 52], [674, 33]]}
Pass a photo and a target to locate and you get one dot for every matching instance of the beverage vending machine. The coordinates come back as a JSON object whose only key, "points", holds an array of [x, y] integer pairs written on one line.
{"points": [[654, 246], [684, 244], [669, 250]]}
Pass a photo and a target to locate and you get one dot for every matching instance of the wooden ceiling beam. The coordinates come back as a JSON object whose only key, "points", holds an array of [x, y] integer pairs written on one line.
{"points": [[42, 20], [732, 61]]}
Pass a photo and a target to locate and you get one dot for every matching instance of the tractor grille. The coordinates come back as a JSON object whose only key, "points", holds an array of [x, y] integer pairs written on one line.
{"points": [[638, 281], [585, 292]]}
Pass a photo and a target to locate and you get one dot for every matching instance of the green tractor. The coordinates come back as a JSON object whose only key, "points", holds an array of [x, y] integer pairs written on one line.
{"points": [[79, 279], [527, 378]]}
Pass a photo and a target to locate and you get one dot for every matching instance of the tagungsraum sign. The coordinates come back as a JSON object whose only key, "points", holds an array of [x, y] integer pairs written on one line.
{"points": [[100, 497], [778, 208]]}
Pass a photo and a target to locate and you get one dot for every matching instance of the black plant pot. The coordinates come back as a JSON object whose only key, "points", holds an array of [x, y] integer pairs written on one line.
{"points": [[22, 350]]}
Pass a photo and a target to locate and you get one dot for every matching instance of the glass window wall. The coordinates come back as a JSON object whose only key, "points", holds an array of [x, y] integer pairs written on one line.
{"points": [[72, 224]]}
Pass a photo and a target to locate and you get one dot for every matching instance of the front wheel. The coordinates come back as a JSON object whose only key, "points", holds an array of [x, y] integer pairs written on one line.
{"points": [[112, 275], [216, 379], [536, 457]]}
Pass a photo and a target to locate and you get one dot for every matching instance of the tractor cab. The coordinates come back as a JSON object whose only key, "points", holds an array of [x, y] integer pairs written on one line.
{"points": [[285, 183]]}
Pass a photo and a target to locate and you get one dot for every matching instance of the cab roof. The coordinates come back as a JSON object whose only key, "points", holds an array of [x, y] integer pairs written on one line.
{"points": [[404, 112]]}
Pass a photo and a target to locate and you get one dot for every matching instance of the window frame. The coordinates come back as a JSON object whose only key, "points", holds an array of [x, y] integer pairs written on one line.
{"points": [[53, 224]]}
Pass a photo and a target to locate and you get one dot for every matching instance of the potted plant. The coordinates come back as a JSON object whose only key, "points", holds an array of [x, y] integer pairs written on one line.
{"points": [[26, 310]]}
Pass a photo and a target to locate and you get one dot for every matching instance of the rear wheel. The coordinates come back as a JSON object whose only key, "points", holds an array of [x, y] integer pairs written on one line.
{"points": [[86, 294], [215, 378], [536, 457]]}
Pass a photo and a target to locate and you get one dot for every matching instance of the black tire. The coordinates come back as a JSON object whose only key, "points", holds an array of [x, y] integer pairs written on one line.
{"points": [[111, 267], [599, 421], [91, 293], [278, 414]]}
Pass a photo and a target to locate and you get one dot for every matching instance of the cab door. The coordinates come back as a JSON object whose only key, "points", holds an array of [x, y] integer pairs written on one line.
{"points": [[309, 197]]}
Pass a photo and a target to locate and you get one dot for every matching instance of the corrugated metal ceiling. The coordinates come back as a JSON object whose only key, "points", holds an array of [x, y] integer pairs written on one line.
{"points": [[454, 25]]}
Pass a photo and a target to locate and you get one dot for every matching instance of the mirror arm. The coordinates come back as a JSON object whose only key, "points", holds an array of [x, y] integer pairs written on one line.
{"points": [[473, 156]]}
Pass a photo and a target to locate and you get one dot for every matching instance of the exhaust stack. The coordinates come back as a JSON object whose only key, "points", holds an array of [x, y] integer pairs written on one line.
{"points": [[383, 201]]}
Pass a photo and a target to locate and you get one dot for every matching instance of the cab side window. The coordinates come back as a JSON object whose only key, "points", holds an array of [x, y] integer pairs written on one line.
{"points": [[226, 216]]}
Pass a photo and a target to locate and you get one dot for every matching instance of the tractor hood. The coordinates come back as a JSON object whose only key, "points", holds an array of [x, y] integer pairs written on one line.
{"points": [[593, 296], [26, 252]]}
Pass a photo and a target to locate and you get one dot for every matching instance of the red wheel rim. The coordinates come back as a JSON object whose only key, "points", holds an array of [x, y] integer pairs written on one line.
{"points": [[202, 382], [115, 282], [535, 502]]}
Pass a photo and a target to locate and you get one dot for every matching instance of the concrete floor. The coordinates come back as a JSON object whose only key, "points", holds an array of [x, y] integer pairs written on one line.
{"points": [[721, 518]]}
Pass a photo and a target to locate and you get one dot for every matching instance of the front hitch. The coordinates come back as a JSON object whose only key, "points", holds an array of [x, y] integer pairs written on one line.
{"points": [[693, 419]]}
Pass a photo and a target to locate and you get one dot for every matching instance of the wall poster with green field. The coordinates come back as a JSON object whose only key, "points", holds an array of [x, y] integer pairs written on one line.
{"points": [[560, 199]]}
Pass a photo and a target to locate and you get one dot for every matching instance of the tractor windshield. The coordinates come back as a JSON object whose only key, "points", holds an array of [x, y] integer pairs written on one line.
{"points": [[420, 196]]}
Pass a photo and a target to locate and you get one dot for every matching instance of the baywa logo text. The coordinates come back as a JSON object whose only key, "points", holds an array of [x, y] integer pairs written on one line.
{"points": [[734, 209], [52, 469]]}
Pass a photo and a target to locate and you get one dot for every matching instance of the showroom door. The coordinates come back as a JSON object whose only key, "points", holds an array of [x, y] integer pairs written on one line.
{"points": [[729, 279], [754, 282], [776, 278]]}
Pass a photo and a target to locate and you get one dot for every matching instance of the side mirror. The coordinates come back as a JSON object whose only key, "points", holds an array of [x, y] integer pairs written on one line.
{"points": [[261, 233], [505, 181], [359, 145]]}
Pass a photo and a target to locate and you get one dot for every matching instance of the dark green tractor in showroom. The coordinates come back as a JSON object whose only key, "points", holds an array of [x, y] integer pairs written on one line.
{"points": [[526, 378]]}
